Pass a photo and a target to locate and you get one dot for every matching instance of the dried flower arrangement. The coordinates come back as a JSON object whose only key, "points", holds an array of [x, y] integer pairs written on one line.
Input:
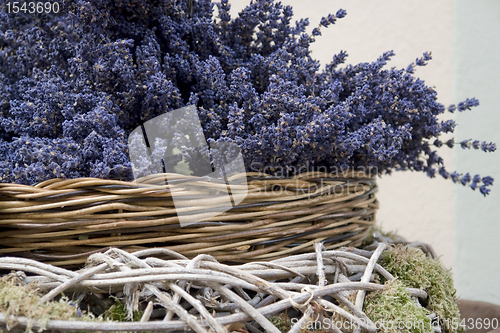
{"points": [[73, 85]]}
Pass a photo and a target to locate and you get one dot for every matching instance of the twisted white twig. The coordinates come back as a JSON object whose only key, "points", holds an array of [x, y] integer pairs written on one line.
{"points": [[115, 269]]}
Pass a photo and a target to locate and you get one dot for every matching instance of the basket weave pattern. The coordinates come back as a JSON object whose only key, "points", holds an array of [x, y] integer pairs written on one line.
{"points": [[62, 222]]}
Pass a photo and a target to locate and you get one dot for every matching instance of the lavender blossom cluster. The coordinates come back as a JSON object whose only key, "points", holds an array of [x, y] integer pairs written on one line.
{"points": [[74, 85]]}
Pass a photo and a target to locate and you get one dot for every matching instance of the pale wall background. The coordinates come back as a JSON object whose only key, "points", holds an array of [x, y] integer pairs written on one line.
{"points": [[460, 224], [477, 73]]}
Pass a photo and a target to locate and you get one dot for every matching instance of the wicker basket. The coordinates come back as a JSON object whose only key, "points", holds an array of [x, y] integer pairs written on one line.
{"points": [[62, 222]]}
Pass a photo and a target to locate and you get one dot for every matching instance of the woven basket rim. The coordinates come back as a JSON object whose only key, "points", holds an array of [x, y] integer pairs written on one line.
{"points": [[76, 217]]}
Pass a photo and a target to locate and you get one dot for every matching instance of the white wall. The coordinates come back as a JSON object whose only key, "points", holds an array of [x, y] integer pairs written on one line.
{"points": [[477, 73], [418, 207]]}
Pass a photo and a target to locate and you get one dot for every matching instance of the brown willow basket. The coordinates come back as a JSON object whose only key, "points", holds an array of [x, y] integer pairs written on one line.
{"points": [[62, 222]]}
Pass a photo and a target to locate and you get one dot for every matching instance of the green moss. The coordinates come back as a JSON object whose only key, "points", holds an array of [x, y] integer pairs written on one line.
{"points": [[281, 321], [18, 299], [393, 310], [415, 270], [118, 312]]}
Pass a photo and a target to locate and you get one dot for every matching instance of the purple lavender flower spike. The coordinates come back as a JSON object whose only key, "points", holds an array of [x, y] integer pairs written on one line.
{"points": [[444, 173], [467, 104], [484, 190], [100, 71], [465, 144], [488, 147], [465, 179], [476, 180], [487, 180]]}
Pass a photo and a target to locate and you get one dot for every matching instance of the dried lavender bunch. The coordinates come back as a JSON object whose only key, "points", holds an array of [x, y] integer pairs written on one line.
{"points": [[74, 85]]}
